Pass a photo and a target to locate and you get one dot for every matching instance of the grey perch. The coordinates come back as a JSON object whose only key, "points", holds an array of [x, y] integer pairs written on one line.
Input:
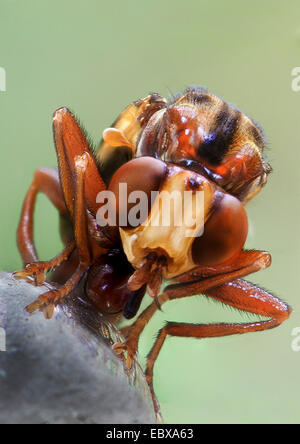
{"points": [[62, 371]]}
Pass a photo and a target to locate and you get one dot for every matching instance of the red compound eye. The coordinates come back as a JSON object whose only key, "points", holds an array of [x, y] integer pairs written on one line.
{"points": [[225, 233], [141, 174]]}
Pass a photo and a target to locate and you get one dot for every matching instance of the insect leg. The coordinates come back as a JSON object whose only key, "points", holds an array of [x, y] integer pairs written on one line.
{"points": [[239, 294], [213, 282], [48, 300], [245, 262], [80, 211], [35, 272], [70, 142], [195, 282], [45, 180]]}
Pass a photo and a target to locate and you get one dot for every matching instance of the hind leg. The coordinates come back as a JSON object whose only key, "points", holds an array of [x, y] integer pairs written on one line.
{"points": [[45, 180], [47, 301]]}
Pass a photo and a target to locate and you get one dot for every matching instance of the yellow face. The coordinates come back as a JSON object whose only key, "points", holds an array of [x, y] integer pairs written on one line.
{"points": [[167, 231], [180, 217]]}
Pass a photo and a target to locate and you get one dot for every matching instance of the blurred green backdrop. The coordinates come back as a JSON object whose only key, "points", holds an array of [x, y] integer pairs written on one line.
{"points": [[96, 57]]}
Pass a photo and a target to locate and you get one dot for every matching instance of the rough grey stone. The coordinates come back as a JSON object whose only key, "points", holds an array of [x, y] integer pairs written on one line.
{"points": [[62, 371]]}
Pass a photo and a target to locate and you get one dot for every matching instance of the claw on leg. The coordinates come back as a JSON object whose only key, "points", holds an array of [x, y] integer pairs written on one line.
{"points": [[127, 352], [33, 274], [159, 417], [47, 301]]}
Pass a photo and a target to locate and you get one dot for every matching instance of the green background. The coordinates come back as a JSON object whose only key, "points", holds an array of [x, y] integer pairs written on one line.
{"points": [[96, 57]]}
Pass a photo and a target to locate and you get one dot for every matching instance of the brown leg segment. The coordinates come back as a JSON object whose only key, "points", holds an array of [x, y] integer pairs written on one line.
{"points": [[80, 211], [48, 300], [70, 142], [72, 145], [74, 193], [225, 287], [193, 283], [239, 294], [45, 180], [246, 262], [35, 273]]}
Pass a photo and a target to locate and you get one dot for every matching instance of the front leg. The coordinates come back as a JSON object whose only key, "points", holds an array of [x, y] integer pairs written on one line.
{"points": [[222, 283], [74, 194], [197, 281], [48, 300], [35, 273], [239, 294]]}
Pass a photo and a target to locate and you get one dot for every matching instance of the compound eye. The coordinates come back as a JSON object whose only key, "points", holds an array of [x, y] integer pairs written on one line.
{"points": [[132, 184], [225, 233]]}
